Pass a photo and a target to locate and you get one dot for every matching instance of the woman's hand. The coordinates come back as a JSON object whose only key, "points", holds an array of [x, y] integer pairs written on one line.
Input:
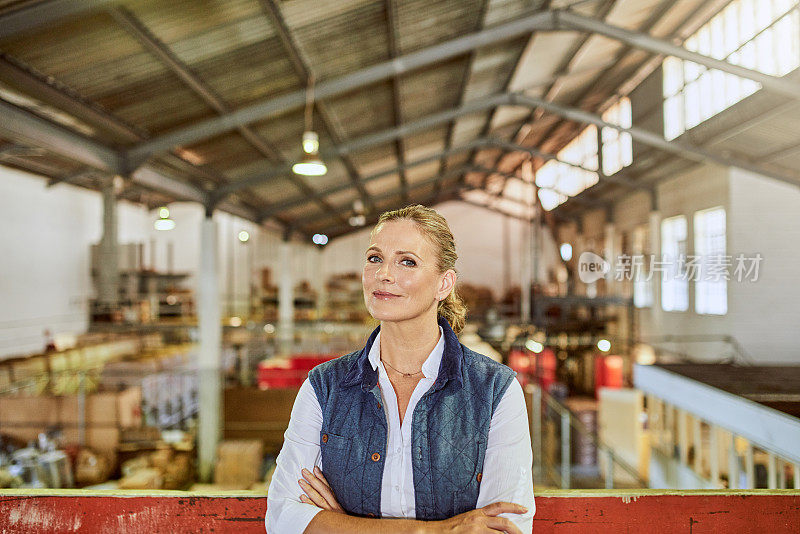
{"points": [[318, 492], [482, 520]]}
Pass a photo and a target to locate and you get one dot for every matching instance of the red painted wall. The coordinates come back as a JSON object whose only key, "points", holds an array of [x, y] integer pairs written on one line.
{"points": [[758, 511]]}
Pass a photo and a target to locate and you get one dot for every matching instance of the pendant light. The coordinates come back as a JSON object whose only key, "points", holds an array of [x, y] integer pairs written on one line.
{"points": [[164, 223], [310, 164]]}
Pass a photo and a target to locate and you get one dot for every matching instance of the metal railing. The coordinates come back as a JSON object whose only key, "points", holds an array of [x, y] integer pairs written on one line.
{"points": [[736, 353], [670, 428], [561, 473]]}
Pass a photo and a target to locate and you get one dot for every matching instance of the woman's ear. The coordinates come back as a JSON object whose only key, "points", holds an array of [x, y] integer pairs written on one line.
{"points": [[446, 284]]}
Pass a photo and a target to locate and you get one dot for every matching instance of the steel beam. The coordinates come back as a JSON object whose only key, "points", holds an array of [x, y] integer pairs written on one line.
{"points": [[365, 142], [21, 77], [571, 20], [646, 137], [364, 77], [397, 112], [158, 49], [462, 89], [491, 208], [341, 187], [564, 70], [256, 174], [70, 177], [55, 138], [618, 178], [583, 201], [487, 126], [391, 194], [473, 145], [303, 71], [147, 177]]}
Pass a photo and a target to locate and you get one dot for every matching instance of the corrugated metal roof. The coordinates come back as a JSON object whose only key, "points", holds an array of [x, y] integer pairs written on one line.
{"points": [[237, 51]]}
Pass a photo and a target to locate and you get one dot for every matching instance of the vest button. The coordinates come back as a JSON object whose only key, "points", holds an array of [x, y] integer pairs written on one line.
{"points": [[479, 477], [324, 438], [375, 456], [370, 514]]}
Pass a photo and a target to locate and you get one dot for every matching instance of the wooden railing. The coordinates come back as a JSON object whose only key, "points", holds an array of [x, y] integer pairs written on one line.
{"points": [[571, 511]]}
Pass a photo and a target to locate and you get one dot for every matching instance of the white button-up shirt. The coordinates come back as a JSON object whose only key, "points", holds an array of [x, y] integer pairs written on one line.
{"points": [[506, 467]]}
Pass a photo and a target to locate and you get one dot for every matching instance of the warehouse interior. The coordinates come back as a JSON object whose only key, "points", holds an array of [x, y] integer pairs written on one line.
{"points": [[187, 190]]}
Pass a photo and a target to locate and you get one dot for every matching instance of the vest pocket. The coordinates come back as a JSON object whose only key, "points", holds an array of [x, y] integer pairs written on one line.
{"points": [[333, 441], [335, 451]]}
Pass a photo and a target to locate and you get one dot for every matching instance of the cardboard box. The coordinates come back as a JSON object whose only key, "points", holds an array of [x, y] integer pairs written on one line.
{"points": [[251, 413], [238, 463], [105, 414]]}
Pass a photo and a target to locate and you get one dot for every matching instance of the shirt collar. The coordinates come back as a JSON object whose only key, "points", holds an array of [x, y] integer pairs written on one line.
{"points": [[362, 372], [430, 367]]}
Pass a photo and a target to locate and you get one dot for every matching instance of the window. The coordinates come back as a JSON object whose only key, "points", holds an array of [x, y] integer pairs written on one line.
{"points": [[617, 146], [642, 284], [762, 35], [674, 286], [711, 286], [558, 181]]}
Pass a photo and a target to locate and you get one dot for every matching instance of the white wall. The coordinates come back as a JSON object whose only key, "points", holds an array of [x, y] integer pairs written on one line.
{"points": [[765, 315], [762, 217], [702, 188], [46, 235]]}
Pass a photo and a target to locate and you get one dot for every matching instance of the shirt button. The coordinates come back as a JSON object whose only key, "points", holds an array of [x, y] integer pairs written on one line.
{"points": [[398, 450], [375, 456], [397, 488]]}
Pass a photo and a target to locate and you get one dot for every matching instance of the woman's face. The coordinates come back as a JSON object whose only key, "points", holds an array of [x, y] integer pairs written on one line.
{"points": [[400, 278]]}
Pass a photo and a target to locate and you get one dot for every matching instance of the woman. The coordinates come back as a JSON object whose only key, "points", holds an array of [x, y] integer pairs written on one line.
{"points": [[414, 432]]}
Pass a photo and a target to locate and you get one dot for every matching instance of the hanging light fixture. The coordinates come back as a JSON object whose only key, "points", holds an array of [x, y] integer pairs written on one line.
{"points": [[164, 222], [310, 164]]}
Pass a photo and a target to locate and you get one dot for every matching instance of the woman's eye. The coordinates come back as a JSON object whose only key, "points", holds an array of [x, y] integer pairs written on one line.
{"points": [[372, 258], [411, 263]]}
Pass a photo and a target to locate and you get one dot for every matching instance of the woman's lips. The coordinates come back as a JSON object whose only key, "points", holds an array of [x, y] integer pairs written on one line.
{"points": [[384, 295]]}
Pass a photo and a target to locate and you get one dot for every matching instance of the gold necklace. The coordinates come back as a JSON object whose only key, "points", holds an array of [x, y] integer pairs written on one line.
{"points": [[407, 375]]}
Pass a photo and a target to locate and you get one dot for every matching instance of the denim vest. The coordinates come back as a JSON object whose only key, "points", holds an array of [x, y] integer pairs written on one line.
{"points": [[449, 429]]}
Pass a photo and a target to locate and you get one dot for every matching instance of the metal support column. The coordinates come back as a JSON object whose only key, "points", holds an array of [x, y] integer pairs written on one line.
{"points": [[733, 462], [772, 471], [108, 257], [749, 466], [697, 441], [566, 459], [285, 298], [210, 354], [713, 456], [609, 467]]}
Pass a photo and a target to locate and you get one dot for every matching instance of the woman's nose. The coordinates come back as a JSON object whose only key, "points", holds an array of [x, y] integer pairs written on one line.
{"points": [[384, 273]]}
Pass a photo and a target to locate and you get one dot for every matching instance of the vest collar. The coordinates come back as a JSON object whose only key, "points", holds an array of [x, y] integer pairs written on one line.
{"points": [[361, 371]]}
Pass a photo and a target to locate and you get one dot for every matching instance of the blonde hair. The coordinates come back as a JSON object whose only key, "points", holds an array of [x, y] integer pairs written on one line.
{"points": [[434, 227]]}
